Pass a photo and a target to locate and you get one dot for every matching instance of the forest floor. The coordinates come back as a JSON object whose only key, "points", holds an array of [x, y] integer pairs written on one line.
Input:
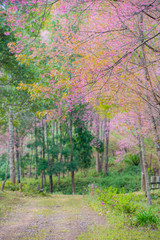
{"points": [[48, 218]]}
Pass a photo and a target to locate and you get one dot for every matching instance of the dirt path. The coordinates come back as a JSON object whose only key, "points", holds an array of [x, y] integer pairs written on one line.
{"points": [[50, 218]]}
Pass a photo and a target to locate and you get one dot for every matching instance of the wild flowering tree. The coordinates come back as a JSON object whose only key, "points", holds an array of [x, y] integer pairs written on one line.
{"points": [[112, 63]]}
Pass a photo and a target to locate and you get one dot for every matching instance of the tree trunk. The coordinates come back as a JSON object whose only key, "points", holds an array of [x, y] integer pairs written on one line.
{"points": [[102, 139], [143, 182], [97, 162], [101, 161], [97, 153], [43, 139], [48, 156], [57, 131], [20, 158], [30, 165], [41, 179], [44, 176], [144, 163], [145, 172], [43, 154], [60, 147], [17, 156], [36, 150], [50, 183], [73, 182], [11, 147], [71, 143], [107, 147]]}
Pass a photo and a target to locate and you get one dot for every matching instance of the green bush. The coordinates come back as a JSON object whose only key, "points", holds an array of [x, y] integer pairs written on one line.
{"points": [[132, 160], [29, 189], [117, 200], [146, 218], [12, 187]]}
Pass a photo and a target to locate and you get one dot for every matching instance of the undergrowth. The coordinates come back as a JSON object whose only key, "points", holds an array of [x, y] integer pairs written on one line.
{"points": [[128, 216], [128, 178]]}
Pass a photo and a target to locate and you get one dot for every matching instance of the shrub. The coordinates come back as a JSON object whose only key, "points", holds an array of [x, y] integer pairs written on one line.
{"points": [[12, 187], [132, 160], [30, 189], [146, 218], [117, 200]]}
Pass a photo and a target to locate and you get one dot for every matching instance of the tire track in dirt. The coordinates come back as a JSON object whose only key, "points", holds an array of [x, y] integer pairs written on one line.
{"points": [[51, 218]]}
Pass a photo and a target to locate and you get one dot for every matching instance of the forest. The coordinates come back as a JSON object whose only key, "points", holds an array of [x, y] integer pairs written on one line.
{"points": [[80, 117]]}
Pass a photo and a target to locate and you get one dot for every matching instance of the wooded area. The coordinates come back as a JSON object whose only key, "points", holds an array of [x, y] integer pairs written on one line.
{"points": [[80, 89]]}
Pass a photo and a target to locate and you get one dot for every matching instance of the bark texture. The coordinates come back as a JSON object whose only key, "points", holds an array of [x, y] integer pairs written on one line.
{"points": [[11, 146]]}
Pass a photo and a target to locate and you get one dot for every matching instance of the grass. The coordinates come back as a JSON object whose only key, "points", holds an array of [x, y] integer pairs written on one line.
{"points": [[120, 226], [118, 231], [8, 200]]}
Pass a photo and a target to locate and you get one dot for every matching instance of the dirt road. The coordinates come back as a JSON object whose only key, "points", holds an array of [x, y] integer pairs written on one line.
{"points": [[55, 217]]}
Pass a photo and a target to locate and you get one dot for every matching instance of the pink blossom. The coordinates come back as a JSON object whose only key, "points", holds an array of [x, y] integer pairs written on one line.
{"points": [[7, 33]]}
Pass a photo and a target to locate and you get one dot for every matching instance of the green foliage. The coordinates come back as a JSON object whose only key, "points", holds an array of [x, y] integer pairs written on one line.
{"points": [[30, 189], [42, 165], [100, 147], [132, 160], [128, 178], [117, 200], [82, 146], [3, 160], [146, 218], [29, 186], [131, 206], [12, 187]]}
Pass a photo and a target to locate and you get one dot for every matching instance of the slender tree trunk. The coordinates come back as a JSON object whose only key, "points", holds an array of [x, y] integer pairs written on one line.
{"points": [[36, 150], [101, 154], [73, 182], [97, 162], [143, 182], [144, 162], [11, 147], [31, 160], [101, 160], [44, 176], [146, 172], [71, 143], [48, 156], [30, 169], [17, 156], [60, 147], [97, 153], [43, 180], [57, 131], [53, 129], [50, 183], [30, 164], [107, 147], [20, 158]]}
